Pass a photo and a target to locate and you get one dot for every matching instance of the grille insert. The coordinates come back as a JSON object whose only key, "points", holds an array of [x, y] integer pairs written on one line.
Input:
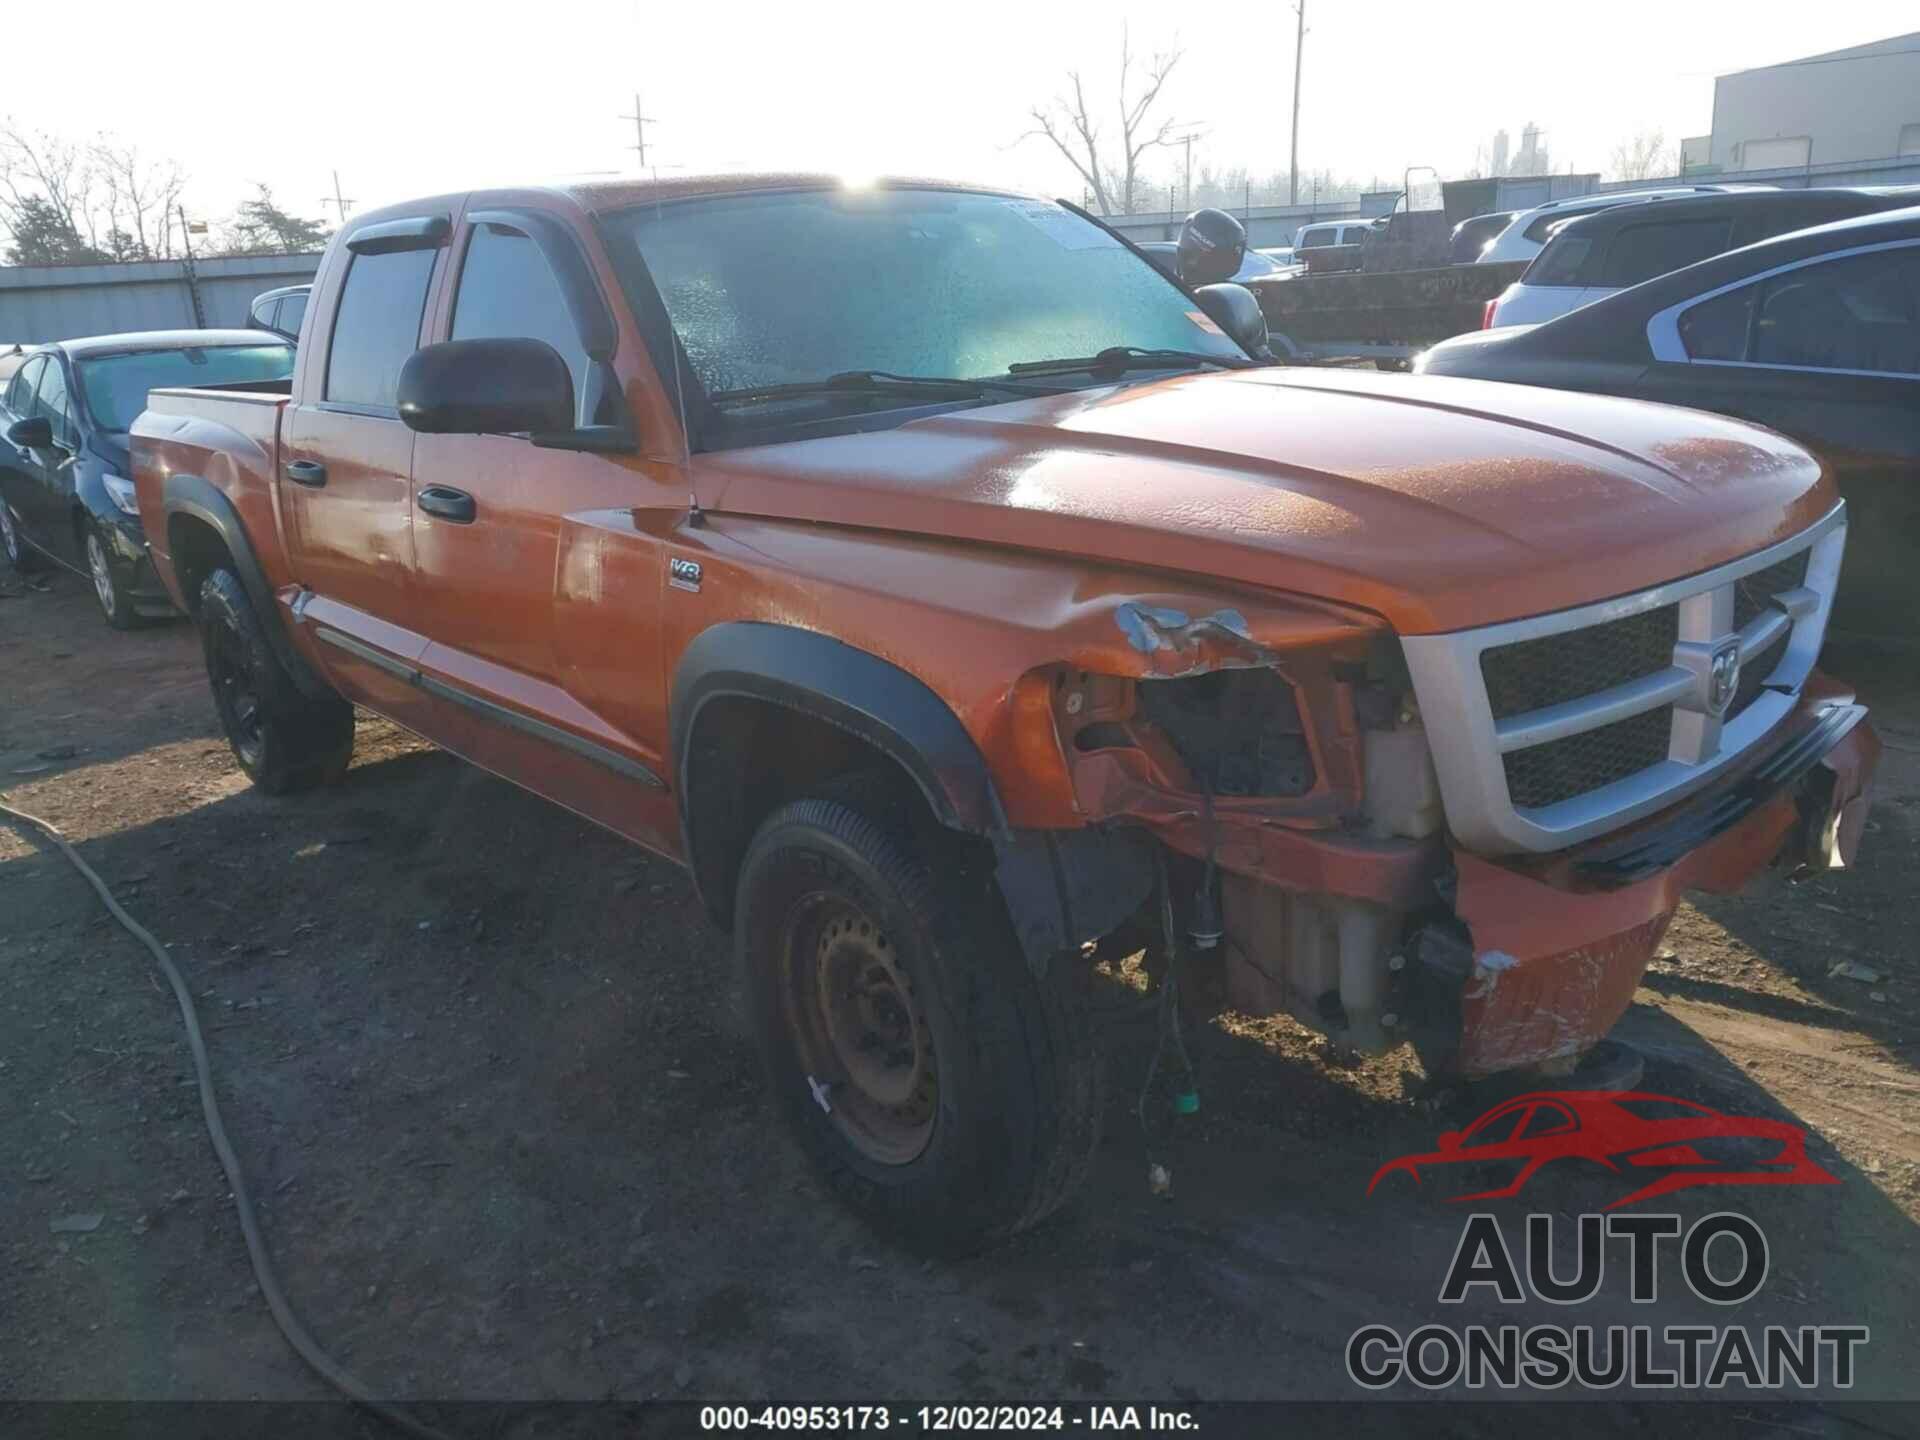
{"points": [[1530, 674], [1562, 769], [1754, 593]]}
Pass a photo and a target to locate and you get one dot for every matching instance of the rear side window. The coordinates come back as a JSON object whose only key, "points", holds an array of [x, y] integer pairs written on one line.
{"points": [[1314, 239], [293, 310], [1560, 263], [1640, 252], [1857, 313], [508, 291], [1717, 329], [377, 326]]}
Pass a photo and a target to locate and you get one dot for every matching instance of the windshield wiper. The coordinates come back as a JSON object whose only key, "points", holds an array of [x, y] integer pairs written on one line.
{"points": [[1121, 358], [883, 382]]}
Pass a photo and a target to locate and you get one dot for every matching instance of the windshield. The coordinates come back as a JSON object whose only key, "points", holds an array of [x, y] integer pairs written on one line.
{"points": [[116, 386], [790, 288]]}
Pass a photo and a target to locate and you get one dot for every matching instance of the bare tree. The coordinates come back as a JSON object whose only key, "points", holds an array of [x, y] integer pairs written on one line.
{"points": [[1644, 156], [1069, 123], [46, 181], [139, 198]]}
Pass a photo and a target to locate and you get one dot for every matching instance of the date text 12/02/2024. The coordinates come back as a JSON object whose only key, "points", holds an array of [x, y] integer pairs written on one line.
{"points": [[936, 1418]]}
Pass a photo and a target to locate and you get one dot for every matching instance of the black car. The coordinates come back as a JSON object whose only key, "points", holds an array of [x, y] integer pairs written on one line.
{"points": [[1814, 333], [1474, 234], [281, 311], [65, 494]]}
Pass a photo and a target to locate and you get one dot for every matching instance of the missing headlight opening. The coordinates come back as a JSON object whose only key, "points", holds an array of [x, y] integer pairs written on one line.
{"points": [[1237, 731]]}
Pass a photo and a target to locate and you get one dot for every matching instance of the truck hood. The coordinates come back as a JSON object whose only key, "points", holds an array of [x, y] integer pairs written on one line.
{"points": [[1436, 503]]}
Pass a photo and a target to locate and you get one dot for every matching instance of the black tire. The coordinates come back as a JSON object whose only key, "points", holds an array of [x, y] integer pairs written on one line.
{"points": [[13, 546], [108, 588], [993, 1125], [284, 741]]}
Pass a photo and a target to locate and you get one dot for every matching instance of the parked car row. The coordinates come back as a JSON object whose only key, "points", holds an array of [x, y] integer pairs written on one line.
{"points": [[1815, 333], [66, 496]]}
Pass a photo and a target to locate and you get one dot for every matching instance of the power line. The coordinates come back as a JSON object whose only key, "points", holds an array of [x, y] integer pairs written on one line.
{"points": [[640, 122], [337, 200]]}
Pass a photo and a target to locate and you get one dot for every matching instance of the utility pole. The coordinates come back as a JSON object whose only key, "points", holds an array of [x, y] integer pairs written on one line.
{"points": [[1187, 140], [337, 200], [640, 122], [1299, 46], [186, 265]]}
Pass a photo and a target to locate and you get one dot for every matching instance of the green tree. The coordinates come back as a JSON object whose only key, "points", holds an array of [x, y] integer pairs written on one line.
{"points": [[260, 227], [43, 236]]}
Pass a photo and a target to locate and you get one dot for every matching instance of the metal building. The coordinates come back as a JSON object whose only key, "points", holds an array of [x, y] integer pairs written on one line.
{"points": [[63, 302], [1846, 106]]}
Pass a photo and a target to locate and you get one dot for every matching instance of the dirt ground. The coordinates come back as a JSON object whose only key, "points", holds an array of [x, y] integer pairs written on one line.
{"points": [[486, 1070]]}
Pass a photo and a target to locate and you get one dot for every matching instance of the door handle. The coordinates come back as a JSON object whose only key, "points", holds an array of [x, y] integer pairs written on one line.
{"points": [[307, 472], [448, 503]]}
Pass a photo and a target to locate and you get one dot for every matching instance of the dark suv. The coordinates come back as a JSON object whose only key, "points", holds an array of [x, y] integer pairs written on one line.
{"points": [[65, 489]]}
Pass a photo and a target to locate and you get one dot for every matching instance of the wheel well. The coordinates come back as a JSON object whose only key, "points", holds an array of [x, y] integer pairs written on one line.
{"points": [[197, 551], [746, 758], [79, 519]]}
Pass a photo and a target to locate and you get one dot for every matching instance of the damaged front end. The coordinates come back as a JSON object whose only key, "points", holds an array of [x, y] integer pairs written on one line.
{"points": [[1281, 763]]}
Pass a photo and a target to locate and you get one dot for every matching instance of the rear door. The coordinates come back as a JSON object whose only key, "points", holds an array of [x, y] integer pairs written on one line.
{"points": [[1826, 351], [345, 457]]}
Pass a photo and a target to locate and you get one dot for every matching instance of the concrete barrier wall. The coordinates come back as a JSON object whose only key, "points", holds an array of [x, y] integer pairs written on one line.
{"points": [[39, 303]]}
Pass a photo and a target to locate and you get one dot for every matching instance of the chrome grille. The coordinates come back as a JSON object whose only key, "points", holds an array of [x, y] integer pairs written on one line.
{"points": [[1550, 730]]}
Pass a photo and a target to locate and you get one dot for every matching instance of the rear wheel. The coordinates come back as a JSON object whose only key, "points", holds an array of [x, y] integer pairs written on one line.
{"points": [[282, 739], [948, 1094], [114, 601]]}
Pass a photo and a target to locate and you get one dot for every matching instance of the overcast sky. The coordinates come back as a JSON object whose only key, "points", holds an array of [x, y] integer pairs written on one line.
{"points": [[408, 98]]}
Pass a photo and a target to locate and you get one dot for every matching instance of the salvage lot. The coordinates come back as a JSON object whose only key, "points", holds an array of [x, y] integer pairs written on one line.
{"points": [[485, 1068]]}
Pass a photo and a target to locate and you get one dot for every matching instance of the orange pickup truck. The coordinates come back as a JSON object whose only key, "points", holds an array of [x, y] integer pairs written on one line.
{"points": [[958, 601]]}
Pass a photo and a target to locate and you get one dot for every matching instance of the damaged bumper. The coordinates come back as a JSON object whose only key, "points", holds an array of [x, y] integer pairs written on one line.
{"points": [[1552, 955]]}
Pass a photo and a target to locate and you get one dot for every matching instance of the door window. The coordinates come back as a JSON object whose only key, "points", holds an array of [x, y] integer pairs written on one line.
{"points": [[53, 402], [293, 310], [20, 390], [1857, 313], [377, 326], [1546, 1120], [1640, 252], [508, 291]]}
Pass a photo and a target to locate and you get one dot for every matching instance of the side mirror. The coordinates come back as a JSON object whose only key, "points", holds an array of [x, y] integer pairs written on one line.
{"points": [[486, 387], [1234, 310], [1449, 1139], [33, 433]]}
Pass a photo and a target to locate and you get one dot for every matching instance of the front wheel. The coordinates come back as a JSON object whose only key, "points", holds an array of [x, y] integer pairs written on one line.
{"points": [[283, 740], [114, 601], [947, 1093], [11, 544]]}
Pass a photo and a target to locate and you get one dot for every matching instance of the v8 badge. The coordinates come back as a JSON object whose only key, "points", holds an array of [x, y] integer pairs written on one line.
{"points": [[683, 574]]}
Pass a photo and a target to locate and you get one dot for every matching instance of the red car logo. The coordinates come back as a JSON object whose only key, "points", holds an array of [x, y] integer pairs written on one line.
{"points": [[1628, 1132]]}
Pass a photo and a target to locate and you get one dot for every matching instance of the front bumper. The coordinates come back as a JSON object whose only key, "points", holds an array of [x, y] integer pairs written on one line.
{"points": [[127, 552], [1557, 949]]}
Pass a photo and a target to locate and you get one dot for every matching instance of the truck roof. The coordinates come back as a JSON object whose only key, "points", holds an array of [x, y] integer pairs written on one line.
{"points": [[602, 196]]}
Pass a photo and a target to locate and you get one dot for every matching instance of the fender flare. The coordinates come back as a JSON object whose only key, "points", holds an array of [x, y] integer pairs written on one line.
{"points": [[854, 690], [1060, 887], [193, 496]]}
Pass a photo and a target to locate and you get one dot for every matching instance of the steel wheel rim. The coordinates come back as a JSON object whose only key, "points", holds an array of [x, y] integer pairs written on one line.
{"points": [[234, 695], [102, 571], [860, 1032]]}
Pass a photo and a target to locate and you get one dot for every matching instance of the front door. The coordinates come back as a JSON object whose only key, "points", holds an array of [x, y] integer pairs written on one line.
{"points": [[49, 470], [527, 557]]}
